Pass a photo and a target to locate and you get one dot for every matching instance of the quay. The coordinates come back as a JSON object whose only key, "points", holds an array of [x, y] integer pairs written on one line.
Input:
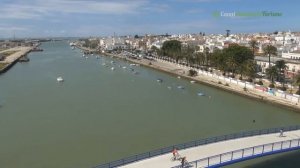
{"points": [[10, 60]]}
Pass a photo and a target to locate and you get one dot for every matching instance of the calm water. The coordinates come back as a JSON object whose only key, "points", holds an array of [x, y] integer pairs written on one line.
{"points": [[99, 115]]}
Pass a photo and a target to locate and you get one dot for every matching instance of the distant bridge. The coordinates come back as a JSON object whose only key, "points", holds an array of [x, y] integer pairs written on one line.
{"points": [[218, 151]]}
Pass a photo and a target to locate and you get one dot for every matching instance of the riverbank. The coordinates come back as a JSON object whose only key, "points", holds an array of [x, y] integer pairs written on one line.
{"points": [[182, 71], [10, 60]]}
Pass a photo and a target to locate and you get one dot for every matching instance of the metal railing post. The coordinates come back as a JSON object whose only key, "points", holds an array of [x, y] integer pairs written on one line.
{"points": [[208, 161], [281, 145], [290, 143], [263, 149], [243, 153]]}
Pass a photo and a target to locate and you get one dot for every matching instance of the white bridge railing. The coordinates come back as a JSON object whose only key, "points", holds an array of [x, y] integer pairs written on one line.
{"points": [[244, 154]]}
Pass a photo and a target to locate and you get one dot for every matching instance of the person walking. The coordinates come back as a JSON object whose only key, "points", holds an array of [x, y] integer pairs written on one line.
{"points": [[281, 133], [183, 160]]}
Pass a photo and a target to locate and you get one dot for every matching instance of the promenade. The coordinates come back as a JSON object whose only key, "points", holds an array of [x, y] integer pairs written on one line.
{"points": [[212, 149]]}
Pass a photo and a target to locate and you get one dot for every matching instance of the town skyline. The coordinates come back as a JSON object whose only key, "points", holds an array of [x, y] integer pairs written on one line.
{"points": [[66, 18]]}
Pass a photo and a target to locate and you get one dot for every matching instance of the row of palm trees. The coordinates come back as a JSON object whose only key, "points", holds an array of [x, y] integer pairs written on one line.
{"points": [[233, 60]]}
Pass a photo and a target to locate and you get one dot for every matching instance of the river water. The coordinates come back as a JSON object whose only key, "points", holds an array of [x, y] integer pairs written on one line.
{"points": [[99, 115]]}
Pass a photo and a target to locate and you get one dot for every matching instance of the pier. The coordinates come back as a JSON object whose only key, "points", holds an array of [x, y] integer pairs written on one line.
{"points": [[10, 60]]}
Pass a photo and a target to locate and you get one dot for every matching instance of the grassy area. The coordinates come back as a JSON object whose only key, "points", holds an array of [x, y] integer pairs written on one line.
{"points": [[2, 65]]}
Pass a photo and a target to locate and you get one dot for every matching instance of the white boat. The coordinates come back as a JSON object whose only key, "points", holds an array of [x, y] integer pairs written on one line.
{"points": [[193, 81], [112, 68], [159, 80], [124, 67], [178, 77], [200, 94], [132, 64], [60, 79], [180, 87]]}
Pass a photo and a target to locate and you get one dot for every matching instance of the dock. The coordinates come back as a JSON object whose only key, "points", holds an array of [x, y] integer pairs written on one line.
{"points": [[10, 60]]}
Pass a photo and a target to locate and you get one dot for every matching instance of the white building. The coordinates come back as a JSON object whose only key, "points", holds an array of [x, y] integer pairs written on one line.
{"points": [[291, 55]]}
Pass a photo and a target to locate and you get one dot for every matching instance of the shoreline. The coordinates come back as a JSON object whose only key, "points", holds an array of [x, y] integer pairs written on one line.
{"points": [[213, 83], [14, 58]]}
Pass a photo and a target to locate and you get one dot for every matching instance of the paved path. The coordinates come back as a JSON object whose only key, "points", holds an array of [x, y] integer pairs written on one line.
{"points": [[13, 57], [192, 154]]}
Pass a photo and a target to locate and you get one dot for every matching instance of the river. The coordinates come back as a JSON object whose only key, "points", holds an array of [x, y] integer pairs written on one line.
{"points": [[99, 115]]}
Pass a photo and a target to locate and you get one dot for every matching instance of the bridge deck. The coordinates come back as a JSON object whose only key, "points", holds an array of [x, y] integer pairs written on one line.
{"points": [[212, 149]]}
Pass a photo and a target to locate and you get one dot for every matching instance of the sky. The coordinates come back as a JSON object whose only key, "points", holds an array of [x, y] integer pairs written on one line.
{"points": [[79, 18]]}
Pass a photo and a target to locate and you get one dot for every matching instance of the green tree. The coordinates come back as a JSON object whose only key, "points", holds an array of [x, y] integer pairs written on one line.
{"points": [[254, 45], [235, 56], [172, 49], [281, 66], [206, 53], [249, 68], [188, 52], [192, 72], [232, 64], [272, 72], [270, 50], [297, 82]]}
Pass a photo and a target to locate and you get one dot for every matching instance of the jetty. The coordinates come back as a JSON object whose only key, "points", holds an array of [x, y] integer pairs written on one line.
{"points": [[13, 58]]}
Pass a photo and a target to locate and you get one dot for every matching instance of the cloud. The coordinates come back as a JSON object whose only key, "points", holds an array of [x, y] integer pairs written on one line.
{"points": [[38, 8]]}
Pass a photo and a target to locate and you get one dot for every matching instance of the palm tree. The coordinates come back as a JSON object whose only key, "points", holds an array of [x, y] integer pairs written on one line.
{"points": [[270, 50], [281, 66], [248, 68], [206, 52], [231, 63], [272, 72], [297, 82], [254, 45]]}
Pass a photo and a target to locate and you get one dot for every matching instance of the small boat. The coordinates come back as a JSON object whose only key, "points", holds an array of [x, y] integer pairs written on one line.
{"points": [[159, 80], [60, 79], [180, 87], [124, 67], [83, 55], [193, 81], [169, 87], [132, 65], [200, 94], [112, 68], [178, 77]]}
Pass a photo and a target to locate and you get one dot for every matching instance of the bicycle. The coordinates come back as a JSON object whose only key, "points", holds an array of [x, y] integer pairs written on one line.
{"points": [[176, 157]]}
